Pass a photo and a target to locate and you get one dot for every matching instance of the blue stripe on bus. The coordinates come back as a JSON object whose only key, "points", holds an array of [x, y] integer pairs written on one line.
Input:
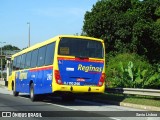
{"points": [[42, 78]]}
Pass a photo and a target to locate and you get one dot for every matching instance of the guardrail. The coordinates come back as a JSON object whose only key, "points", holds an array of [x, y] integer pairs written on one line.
{"points": [[134, 91]]}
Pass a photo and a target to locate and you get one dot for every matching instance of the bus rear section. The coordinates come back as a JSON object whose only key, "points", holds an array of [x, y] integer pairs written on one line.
{"points": [[80, 66]]}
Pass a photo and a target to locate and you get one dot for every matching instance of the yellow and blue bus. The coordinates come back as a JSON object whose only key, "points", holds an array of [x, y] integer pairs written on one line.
{"points": [[64, 64]]}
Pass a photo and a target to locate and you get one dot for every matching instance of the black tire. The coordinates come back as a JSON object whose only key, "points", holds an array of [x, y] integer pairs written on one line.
{"points": [[15, 93], [32, 95]]}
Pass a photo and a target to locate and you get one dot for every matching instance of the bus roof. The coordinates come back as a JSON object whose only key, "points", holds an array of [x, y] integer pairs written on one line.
{"points": [[52, 40], [84, 37]]}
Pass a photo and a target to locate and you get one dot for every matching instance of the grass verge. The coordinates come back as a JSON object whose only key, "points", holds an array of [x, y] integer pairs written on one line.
{"points": [[117, 98]]}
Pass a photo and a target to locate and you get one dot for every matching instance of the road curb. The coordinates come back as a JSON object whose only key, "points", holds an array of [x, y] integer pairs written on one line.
{"points": [[150, 108], [124, 104]]}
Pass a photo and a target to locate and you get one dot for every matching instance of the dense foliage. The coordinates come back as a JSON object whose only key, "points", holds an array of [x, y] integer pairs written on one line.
{"points": [[128, 26], [131, 70]]}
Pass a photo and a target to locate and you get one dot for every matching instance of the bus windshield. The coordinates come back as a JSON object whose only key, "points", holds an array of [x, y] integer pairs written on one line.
{"points": [[82, 48]]}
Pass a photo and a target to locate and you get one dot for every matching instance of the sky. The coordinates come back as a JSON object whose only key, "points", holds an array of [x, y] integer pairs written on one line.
{"points": [[48, 18]]}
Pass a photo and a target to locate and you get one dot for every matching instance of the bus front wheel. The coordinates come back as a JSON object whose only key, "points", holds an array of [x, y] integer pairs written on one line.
{"points": [[32, 95]]}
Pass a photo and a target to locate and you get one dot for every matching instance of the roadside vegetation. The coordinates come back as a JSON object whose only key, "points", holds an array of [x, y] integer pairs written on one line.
{"points": [[130, 30], [132, 71]]}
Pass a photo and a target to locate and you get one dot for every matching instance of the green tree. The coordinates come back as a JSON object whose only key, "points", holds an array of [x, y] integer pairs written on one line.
{"points": [[126, 26], [10, 47]]}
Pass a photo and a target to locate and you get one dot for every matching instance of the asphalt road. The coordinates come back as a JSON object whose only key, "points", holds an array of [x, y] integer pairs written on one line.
{"points": [[55, 108]]}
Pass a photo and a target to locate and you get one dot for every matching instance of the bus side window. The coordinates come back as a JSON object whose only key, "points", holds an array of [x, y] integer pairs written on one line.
{"points": [[18, 63], [34, 58], [49, 54], [41, 56], [28, 60], [23, 58], [14, 63]]}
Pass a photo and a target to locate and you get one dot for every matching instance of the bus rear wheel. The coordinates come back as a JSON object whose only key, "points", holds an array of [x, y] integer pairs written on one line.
{"points": [[15, 93], [32, 94]]}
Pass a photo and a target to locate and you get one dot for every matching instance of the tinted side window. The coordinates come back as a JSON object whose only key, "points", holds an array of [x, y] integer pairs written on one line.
{"points": [[18, 62], [41, 56], [23, 59], [34, 58], [14, 63], [28, 60], [49, 54]]}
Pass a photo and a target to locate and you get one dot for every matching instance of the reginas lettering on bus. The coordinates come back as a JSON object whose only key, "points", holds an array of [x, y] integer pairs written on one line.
{"points": [[89, 68]]}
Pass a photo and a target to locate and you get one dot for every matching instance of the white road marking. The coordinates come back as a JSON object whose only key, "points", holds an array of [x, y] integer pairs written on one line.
{"points": [[114, 118], [62, 106]]}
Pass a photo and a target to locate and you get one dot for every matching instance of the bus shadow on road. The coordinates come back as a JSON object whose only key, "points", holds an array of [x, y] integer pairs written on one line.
{"points": [[56, 99]]}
